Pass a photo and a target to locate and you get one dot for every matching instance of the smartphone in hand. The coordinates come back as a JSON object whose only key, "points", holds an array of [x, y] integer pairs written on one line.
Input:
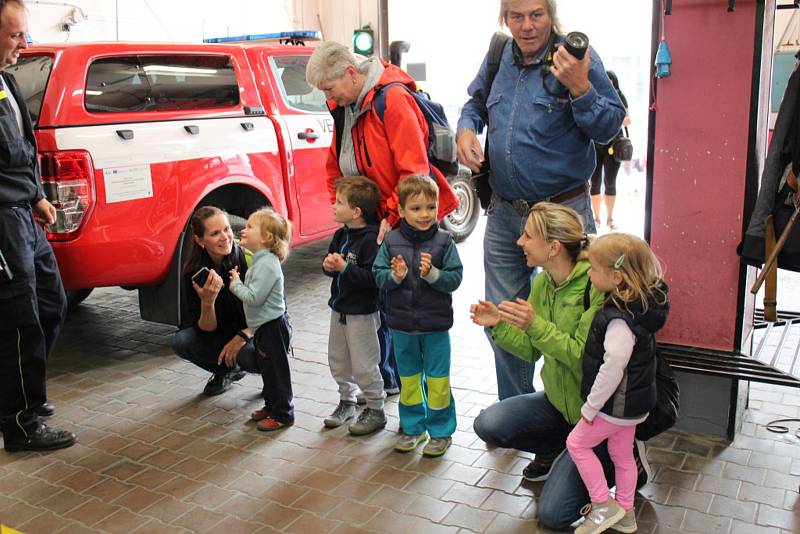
{"points": [[201, 276]]}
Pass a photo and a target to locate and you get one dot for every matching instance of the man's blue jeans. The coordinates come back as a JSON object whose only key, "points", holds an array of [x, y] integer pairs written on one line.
{"points": [[203, 351], [531, 423], [508, 277]]}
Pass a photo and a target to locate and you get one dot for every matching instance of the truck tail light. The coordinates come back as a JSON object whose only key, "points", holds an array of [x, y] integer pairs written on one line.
{"points": [[68, 183]]}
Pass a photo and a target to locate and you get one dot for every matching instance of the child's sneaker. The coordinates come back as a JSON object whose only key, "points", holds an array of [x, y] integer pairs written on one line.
{"points": [[342, 414], [628, 522], [261, 413], [600, 517], [409, 442], [369, 420], [437, 446], [268, 424]]}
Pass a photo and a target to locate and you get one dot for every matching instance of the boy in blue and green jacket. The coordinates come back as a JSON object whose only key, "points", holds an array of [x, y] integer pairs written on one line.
{"points": [[419, 266]]}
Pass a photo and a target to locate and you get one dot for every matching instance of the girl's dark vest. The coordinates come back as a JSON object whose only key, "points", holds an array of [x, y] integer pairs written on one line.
{"points": [[636, 394], [415, 306]]}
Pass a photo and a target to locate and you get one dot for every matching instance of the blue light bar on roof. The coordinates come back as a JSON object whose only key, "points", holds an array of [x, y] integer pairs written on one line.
{"points": [[297, 35]]}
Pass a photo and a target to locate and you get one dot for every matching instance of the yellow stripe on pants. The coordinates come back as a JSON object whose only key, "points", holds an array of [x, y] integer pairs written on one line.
{"points": [[411, 390]]}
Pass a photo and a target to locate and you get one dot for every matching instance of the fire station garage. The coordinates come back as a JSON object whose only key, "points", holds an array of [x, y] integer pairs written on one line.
{"points": [[601, 332]]}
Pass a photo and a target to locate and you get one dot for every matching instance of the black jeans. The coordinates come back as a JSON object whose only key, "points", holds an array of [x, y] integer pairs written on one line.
{"points": [[273, 340], [32, 309]]}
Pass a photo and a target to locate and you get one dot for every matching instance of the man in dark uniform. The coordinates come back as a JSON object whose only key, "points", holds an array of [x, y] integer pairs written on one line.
{"points": [[32, 299]]}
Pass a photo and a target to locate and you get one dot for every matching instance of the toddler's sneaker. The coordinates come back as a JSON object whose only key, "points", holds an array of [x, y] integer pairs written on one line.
{"points": [[437, 446], [369, 421], [600, 517], [268, 424], [409, 442], [342, 414], [261, 413], [628, 522]]}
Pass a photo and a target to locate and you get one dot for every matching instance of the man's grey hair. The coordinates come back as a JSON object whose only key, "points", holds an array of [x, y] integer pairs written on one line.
{"points": [[552, 10], [329, 62]]}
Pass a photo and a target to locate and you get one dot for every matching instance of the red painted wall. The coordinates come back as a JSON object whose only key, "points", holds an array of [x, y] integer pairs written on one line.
{"points": [[699, 167]]}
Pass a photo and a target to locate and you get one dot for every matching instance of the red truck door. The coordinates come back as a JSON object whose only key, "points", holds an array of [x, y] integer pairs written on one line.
{"points": [[309, 127]]}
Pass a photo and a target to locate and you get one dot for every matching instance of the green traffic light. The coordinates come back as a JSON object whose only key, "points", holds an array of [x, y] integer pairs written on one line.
{"points": [[363, 42]]}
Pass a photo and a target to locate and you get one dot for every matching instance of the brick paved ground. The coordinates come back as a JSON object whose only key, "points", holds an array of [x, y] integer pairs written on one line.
{"points": [[156, 456]]}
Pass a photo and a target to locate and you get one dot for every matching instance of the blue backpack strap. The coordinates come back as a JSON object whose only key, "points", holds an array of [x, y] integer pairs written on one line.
{"points": [[379, 101]]}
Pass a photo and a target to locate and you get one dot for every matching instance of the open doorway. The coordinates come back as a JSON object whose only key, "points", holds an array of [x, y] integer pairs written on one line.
{"points": [[451, 37]]}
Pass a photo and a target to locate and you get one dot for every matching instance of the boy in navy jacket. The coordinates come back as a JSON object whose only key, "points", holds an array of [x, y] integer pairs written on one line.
{"points": [[419, 266], [353, 347]]}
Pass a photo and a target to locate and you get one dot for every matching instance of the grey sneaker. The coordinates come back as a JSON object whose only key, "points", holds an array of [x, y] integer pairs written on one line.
{"points": [[342, 414], [409, 442], [437, 446], [600, 517], [628, 522], [369, 420]]}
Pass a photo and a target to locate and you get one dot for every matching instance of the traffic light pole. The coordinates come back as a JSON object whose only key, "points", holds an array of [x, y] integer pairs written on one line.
{"points": [[383, 29]]}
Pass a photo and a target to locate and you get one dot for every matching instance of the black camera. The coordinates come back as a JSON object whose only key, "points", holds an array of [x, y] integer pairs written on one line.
{"points": [[576, 44]]}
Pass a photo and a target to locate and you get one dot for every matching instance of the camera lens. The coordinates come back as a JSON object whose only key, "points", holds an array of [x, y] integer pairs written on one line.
{"points": [[576, 44]]}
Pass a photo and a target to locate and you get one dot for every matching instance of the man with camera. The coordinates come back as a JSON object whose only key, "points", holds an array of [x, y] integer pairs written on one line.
{"points": [[545, 108], [32, 299]]}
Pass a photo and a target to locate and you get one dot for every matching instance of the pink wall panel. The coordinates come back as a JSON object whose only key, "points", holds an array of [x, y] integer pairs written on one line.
{"points": [[699, 167]]}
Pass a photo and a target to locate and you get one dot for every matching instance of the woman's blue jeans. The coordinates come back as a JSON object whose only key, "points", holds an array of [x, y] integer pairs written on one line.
{"points": [[203, 351], [531, 423]]}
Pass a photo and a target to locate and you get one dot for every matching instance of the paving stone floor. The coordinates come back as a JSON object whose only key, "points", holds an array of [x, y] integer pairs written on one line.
{"points": [[154, 455]]}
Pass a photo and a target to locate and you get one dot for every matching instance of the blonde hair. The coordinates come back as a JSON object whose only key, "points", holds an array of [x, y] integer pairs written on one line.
{"points": [[633, 258], [552, 10], [275, 230], [555, 222], [416, 184]]}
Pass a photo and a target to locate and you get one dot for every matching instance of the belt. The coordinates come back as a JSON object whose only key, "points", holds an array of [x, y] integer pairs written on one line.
{"points": [[524, 206]]}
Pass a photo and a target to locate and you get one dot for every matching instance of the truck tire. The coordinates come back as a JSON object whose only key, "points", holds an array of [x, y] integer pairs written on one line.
{"points": [[76, 296], [462, 221]]}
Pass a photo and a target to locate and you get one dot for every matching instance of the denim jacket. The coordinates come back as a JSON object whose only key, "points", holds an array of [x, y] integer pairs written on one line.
{"points": [[540, 138]]}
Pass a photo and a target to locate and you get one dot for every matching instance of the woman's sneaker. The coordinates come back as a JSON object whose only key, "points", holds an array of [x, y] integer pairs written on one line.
{"points": [[628, 522], [539, 469], [369, 421], [643, 470], [409, 442], [437, 446], [600, 517], [342, 414]]}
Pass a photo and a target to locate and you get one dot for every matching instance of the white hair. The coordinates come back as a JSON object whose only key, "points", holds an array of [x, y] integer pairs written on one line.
{"points": [[329, 62], [552, 10]]}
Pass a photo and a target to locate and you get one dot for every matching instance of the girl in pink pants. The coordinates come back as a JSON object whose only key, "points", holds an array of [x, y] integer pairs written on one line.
{"points": [[619, 368]]}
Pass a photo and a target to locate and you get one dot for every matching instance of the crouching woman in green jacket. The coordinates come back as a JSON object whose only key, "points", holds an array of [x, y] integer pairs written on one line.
{"points": [[552, 324]]}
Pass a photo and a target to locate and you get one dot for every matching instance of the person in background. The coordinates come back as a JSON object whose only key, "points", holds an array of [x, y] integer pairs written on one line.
{"points": [[33, 303], [419, 266], [545, 110], [385, 151], [607, 168], [267, 236], [353, 348]]}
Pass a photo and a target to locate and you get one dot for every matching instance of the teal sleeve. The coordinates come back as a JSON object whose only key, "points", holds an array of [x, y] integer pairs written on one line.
{"points": [[382, 269], [261, 278], [451, 272]]}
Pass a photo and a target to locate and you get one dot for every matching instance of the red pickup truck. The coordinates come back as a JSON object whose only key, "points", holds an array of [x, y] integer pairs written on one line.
{"points": [[134, 136]]}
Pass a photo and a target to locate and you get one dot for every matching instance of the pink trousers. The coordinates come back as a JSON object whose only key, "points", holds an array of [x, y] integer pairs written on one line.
{"points": [[583, 438]]}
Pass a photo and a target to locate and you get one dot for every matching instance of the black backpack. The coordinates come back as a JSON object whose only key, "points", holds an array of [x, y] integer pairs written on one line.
{"points": [[493, 57]]}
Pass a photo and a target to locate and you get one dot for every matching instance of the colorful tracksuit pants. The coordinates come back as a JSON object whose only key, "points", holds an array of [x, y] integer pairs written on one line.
{"points": [[426, 402]]}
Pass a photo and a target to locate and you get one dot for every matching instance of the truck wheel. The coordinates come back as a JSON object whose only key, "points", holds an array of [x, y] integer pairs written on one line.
{"points": [[461, 221], [76, 296]]}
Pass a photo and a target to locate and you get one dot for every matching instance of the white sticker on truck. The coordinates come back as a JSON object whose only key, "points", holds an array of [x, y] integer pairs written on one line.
{"points": [[128, 183]]}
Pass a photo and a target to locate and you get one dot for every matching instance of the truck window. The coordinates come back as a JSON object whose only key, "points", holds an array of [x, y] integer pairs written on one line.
{"points": [[161, 83], [32, 73], [291, 72]]}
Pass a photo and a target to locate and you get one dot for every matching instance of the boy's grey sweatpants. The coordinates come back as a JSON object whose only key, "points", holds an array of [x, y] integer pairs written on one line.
{"points": [[353, 356]]}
